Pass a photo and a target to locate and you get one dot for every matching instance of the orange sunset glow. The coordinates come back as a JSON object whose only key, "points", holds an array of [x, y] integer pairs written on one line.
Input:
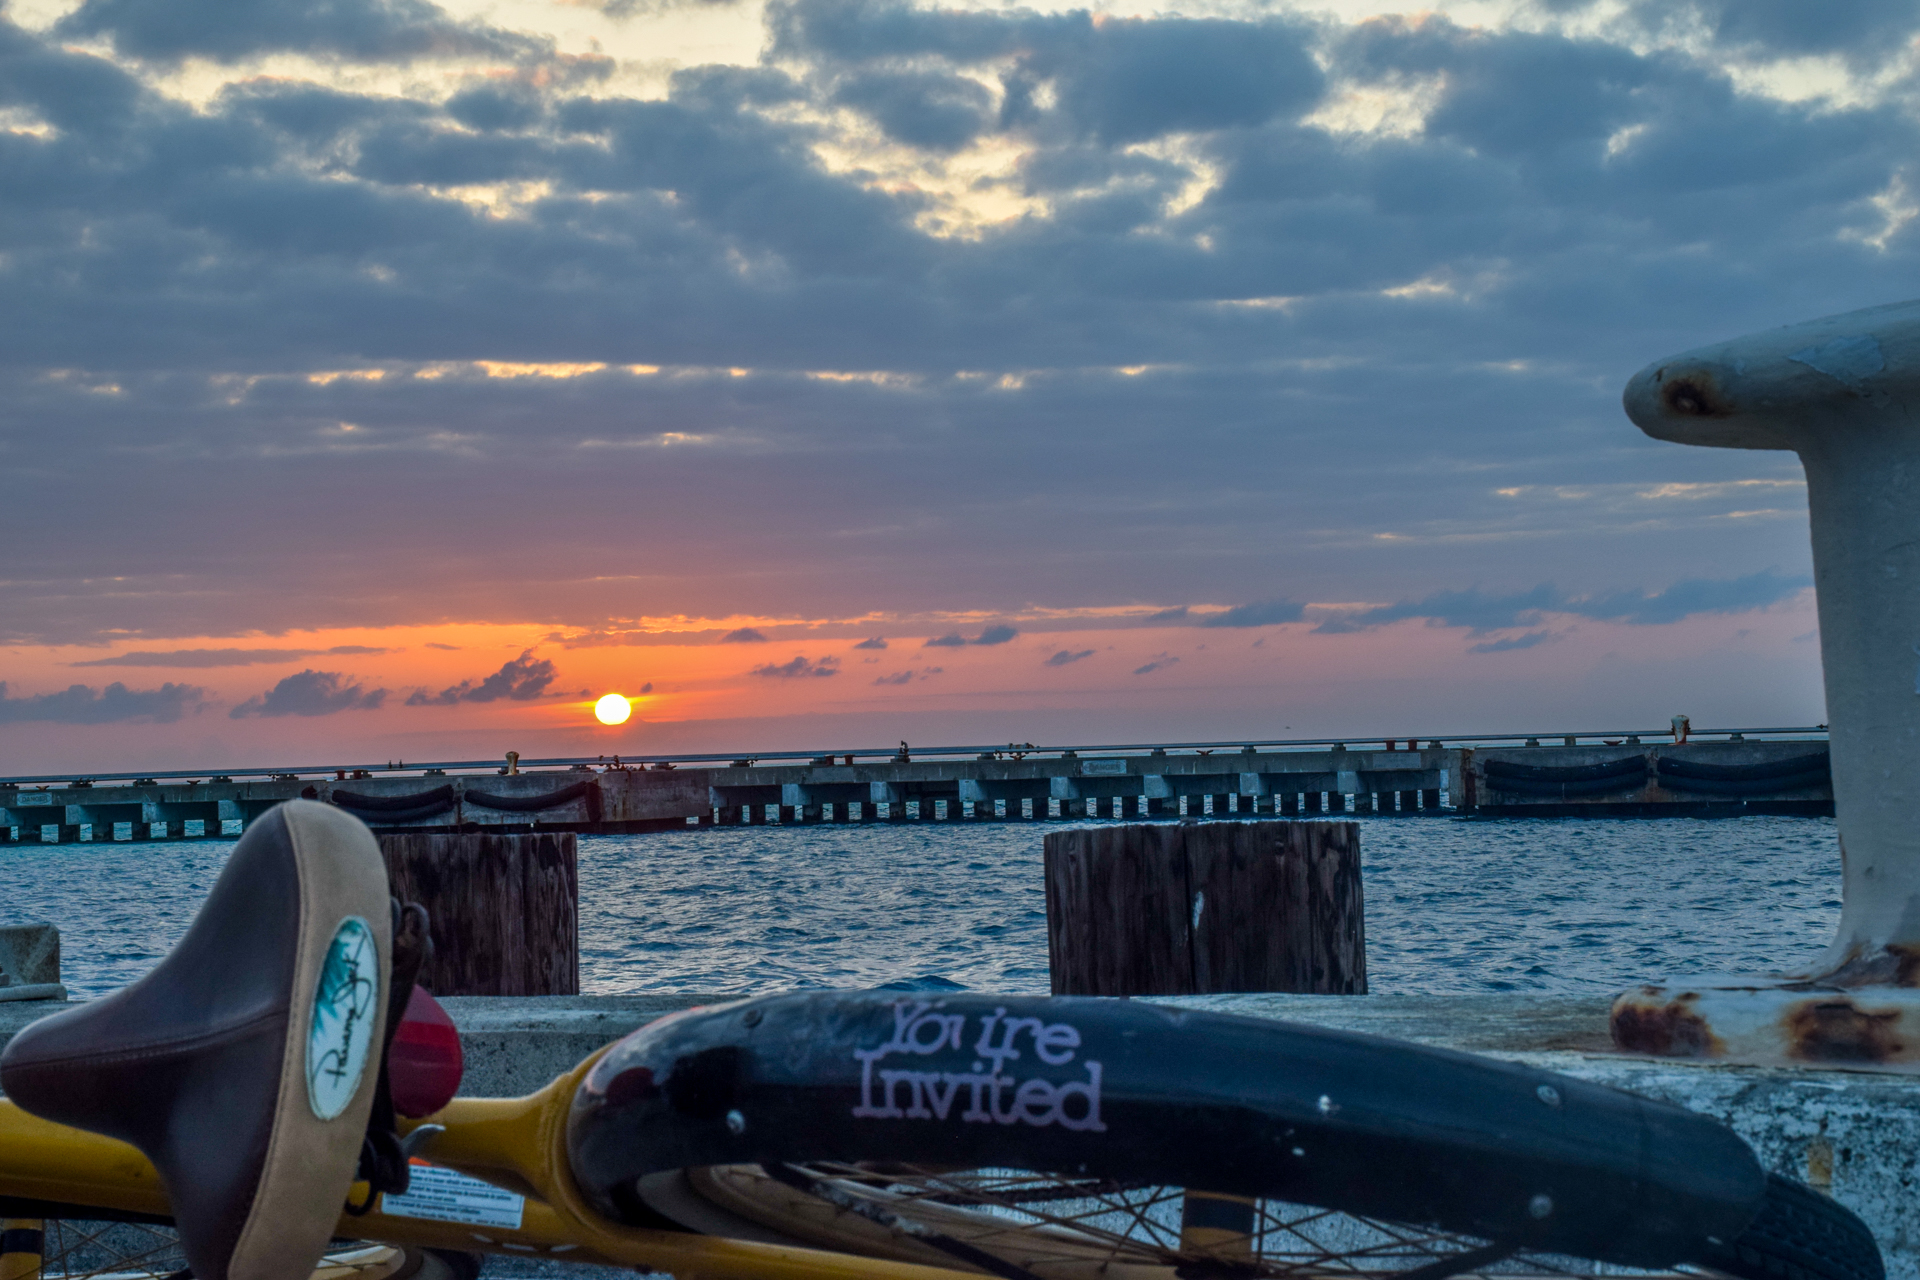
{"points": [[812, 375], [421, 693]]}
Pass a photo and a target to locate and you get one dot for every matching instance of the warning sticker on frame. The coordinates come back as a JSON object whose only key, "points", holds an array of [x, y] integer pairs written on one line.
{"points": [[443, 1195]]}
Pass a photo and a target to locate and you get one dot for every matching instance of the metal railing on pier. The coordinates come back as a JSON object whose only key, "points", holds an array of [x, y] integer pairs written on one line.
{"points": [[903, 753]]}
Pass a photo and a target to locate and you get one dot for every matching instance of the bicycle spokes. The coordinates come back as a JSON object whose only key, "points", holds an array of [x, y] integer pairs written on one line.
{"points": [[74, 1249], [99, 1250], [1039, 1226]]}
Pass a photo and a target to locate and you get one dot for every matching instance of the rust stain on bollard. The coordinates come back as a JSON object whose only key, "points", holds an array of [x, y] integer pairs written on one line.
{"points": [[1797, 1024], [1820, 1165], [1695, 397], [1895, 965], [1671, 1028], [1837, 1030]]}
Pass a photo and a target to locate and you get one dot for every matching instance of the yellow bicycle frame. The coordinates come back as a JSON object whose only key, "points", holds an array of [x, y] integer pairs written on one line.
{"points": [[516, 1143]]}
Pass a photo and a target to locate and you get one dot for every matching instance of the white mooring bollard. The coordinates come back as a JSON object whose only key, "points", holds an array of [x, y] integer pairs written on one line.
{"points": [[1843, 393]]}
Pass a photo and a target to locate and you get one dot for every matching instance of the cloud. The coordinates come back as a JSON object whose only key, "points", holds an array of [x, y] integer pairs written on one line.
{"points": [[744, 635], [999, 634], [448, 648], [828, 666], [908, 676], [1264, 614], [521, 680], [351, 30], [622, 9], [1159, 662], [220, 657], [1144, 79], [1527, 641], [1335, 333], [600, 639], [873, 642], [1481, 612], [1066, 657], [647, 687], [311, 693], [81, 704], [1865, 32], [1116, 82], [1692, 596], [1475, 609], [920, 109]]}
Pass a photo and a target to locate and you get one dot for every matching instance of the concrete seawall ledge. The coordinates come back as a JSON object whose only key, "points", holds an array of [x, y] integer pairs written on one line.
{"points": [[1854, 1134]]}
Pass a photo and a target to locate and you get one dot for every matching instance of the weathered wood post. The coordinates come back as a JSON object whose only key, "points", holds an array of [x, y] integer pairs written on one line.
{"points": [[1191, 908], [30, 963], [1843, 393], [505, 910]]}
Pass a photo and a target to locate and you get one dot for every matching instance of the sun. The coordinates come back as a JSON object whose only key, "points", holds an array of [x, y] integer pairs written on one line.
{"points": [[612, 709]]}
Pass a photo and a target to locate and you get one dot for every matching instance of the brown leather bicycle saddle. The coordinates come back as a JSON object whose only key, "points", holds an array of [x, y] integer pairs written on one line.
{"points": [[245, 1063]]}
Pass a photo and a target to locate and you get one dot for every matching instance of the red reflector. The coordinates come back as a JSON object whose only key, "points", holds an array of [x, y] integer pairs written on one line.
{"points": [[425, 1063]]}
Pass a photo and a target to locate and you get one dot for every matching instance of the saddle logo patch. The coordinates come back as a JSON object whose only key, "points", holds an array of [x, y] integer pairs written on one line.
{"points": [[345, 998]]}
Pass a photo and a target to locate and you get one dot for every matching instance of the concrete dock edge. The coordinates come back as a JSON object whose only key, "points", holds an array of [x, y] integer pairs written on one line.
{"points": [[1853, 1134]]}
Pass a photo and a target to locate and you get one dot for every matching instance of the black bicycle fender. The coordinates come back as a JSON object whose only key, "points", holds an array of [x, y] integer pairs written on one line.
{"points": [[1123, 1090]]}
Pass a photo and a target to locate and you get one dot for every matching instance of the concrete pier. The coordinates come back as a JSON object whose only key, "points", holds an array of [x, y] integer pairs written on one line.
{"points": [[1852, 1134], [1611, 778]]}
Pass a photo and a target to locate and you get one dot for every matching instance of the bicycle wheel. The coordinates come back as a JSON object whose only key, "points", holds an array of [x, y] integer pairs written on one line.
{"points": [[1032, 1226], [1058, 1139]]}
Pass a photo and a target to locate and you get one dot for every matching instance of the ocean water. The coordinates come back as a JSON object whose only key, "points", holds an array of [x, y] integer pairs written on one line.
{"points": [[1453, 905]]}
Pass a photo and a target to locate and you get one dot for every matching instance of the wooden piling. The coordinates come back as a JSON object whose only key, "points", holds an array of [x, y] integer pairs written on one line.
{"points": [[504, 910], [1166, 909]]}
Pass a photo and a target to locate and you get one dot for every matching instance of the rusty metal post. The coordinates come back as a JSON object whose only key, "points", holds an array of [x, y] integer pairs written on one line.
{"points": [[1843, 393]]}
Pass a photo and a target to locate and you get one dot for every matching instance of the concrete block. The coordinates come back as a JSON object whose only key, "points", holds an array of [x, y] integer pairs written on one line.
{"points": [[517, 1044], [30, 962]]}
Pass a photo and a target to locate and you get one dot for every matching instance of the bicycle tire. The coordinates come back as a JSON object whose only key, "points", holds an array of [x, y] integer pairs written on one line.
{"points": [[1466, 1162], [1799, 1234], [439, 1264]]}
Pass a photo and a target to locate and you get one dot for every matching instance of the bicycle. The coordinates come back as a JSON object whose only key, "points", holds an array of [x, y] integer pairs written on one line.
{"points": [[825, 1136]]}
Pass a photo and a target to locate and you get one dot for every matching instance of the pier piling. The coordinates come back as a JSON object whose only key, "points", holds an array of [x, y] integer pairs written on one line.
{"points": [[1179, 909], [504, 910]]}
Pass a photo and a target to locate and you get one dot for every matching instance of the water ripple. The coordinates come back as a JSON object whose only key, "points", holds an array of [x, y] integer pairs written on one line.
{"points": [[1452, 905]]}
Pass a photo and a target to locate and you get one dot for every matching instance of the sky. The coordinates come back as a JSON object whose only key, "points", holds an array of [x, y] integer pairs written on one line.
{"points": [[389, 380]]}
